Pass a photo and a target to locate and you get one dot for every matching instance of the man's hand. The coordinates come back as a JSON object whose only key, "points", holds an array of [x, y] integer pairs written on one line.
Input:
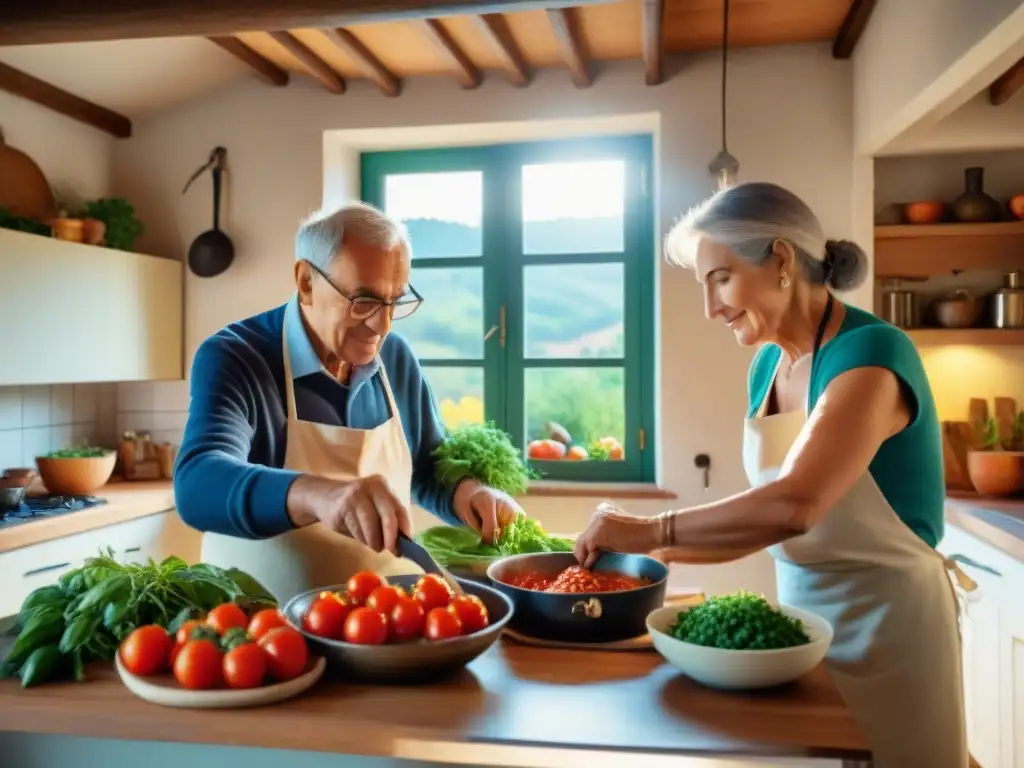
{"points": [[484, 509], [366, 509]]}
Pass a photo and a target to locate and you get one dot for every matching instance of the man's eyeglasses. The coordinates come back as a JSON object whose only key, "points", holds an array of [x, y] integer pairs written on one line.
{"points": [[365, 307]]}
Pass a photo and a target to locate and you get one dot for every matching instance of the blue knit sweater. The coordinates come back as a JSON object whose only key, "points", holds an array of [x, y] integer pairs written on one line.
{"points": [[229, 477]]}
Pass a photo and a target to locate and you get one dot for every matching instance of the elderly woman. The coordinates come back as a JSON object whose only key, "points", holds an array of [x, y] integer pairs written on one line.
{"points": [[842, 447]]}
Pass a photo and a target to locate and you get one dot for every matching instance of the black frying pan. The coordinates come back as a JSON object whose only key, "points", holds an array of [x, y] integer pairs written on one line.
{"points": [[212, 252]]}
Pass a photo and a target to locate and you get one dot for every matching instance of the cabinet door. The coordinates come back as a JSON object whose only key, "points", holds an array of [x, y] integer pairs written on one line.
{"points": [[1012, 678]]}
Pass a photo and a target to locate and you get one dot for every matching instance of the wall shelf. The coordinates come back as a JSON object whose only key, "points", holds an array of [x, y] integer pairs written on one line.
{"points": [[928, 250], [968, 336]]}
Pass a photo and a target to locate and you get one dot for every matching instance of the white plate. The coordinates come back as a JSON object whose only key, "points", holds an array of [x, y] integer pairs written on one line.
{"points": [[741, 670], [164, 690]]}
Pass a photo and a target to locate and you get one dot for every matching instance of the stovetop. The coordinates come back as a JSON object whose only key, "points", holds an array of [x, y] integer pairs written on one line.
{"points": [[35, 508]]}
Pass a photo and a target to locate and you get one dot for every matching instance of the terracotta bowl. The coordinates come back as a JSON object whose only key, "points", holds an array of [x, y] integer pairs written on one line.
{"points": [[76, 477], [996, 473], [923, 212]]}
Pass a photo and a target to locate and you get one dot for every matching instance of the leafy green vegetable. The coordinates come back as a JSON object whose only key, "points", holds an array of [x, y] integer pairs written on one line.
{"points": [[83, 452], [484, 453], [91, 609], [740, 621], [454, 547]]}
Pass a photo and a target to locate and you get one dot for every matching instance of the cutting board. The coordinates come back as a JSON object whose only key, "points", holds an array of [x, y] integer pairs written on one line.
{"points": [[958, 437], [680, 597]]}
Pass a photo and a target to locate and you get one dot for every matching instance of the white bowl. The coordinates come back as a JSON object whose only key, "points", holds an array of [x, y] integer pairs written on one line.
{"points": [[740, 670]]}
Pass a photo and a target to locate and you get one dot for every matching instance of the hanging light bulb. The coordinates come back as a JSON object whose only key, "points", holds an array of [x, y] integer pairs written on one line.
{"points": [[724, 168]]}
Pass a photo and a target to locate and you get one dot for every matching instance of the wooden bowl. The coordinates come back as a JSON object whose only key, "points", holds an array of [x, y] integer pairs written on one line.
{"points": [[76, 476], [996, 473], [923, 212]]}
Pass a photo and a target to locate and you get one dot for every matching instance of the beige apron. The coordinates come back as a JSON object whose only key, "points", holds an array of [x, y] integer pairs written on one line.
{"points": [[313, 556], [896, 655]]}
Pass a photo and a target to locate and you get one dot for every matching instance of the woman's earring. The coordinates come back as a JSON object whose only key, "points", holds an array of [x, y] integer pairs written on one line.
{"points": [[785, 281]]}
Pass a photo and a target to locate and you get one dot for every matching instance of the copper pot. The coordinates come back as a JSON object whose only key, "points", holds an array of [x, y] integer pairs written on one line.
{"points": [[958, 310]]}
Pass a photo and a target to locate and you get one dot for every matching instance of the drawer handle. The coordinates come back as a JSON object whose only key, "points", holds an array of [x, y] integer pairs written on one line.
{"points": [[36, 571], [974, 564], [132, 549]]}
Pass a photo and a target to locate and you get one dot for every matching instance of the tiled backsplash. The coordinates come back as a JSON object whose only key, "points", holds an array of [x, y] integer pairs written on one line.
{"points": [[160, 407], [37, 419]]}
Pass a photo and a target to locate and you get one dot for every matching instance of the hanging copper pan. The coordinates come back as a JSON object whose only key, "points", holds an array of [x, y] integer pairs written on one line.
{"points": [[24, 190]]}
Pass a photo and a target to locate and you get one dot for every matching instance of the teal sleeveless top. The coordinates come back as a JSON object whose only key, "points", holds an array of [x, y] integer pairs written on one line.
{"points": [[908, 468]]}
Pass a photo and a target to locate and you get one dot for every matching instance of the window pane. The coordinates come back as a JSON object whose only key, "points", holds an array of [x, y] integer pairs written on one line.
{"points": [[574, 207], [589, 402], [574, 310], [449, 324], [459, 393], [443, 211]]}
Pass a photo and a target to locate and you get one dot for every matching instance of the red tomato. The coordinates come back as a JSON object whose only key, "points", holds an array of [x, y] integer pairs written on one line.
{"points": [[286, 653], [366, 627], [407, 619], [441, 625], [264, 621], [326, 618], [147, 650], [432, 591], [227, 616], [245, 666], [198, 665], [384, 599], [470, 611], [361, 586], [184, 633]]}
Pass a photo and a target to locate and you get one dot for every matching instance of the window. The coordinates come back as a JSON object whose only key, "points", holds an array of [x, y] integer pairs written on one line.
{"points": [[536, 262]]}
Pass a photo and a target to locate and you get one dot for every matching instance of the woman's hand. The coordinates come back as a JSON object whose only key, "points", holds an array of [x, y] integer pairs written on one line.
{"points": [[612, 530], [485, 510]]}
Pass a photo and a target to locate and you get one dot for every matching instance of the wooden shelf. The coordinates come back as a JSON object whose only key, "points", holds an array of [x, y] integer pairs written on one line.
{"points": [[928, 250], [968, 336]]}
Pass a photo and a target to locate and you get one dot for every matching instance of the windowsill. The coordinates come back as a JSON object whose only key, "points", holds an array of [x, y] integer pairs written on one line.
{"points": [[599, 490]]}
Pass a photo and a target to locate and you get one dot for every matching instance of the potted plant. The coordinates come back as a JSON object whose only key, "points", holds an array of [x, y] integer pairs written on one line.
{"points": [[118, 218], [997, 467]]}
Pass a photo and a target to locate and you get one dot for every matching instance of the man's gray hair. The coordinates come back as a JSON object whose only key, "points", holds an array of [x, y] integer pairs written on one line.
{"points": [[321, 236], [749, 218]]}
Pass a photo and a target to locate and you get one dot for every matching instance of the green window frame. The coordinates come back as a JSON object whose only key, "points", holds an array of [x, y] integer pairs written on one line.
{"points": [[503, 263]]}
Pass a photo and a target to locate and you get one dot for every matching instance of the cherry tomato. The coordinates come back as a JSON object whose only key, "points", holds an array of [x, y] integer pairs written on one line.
{"points": [[286, 653], [441, 625], [407, 619], [184, 633], [147, 650], [198, 665], [326, 618], [264, 621], [432, 591], [224, 617], [366, 627], [361, 586], [384, 599], [245, 666], [470, 611]]}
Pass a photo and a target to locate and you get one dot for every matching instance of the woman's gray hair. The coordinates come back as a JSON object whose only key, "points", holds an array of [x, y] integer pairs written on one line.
{"points": [[321, 236], [749, 218]]}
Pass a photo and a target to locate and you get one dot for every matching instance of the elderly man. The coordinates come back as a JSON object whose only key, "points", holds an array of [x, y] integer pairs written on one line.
{"points": [[311, 427]]}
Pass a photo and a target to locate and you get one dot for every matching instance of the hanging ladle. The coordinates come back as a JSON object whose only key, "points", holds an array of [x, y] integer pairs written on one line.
{"points": [[212, 252]]}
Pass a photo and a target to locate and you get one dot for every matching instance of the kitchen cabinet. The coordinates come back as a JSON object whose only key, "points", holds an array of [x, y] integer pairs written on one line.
{"points": [[27, 568], [993, 650], [76, 313]]}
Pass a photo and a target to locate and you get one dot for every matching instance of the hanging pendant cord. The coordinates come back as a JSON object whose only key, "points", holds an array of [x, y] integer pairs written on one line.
{"points": [[725, 56]]}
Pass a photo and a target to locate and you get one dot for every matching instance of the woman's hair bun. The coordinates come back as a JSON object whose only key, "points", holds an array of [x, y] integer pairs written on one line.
{"points": [[848, 262]]}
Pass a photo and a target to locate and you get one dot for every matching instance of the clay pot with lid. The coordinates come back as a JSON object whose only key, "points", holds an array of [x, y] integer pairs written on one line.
{"points": [[24, 190]]}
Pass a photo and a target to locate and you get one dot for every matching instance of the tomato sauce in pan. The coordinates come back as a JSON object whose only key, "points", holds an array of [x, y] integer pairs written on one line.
{"points": [[575, 580]]}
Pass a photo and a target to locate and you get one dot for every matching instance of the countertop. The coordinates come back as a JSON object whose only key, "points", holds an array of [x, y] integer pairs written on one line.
{"points": [[125, 501], [513, 706], [999, 522]]}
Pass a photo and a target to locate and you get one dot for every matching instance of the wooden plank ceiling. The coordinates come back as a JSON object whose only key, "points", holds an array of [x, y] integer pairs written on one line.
{"points": [[468, 47]]}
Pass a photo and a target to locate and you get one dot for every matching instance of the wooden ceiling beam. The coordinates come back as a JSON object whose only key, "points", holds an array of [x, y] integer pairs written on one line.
{"points": [[445, 46], [25, 86], [565, 25], [852, 28], [1002, 90], [265, 69], [30, 22], [654, 41], [371, 66], [495, 28], [316, 66]]}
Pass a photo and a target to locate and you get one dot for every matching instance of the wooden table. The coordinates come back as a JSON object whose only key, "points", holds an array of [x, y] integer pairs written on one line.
{"points": [[513, 706]]}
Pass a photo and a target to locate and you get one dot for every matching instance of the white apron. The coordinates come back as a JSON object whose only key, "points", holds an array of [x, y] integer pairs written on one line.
{"points": [[896, 656], [313, 556]]}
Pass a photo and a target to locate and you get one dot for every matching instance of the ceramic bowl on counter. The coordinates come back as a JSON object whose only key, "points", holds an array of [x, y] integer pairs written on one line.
{"points": [[598, 617], [736, 669], [409, 662], [996, 473], [76, 475]]}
